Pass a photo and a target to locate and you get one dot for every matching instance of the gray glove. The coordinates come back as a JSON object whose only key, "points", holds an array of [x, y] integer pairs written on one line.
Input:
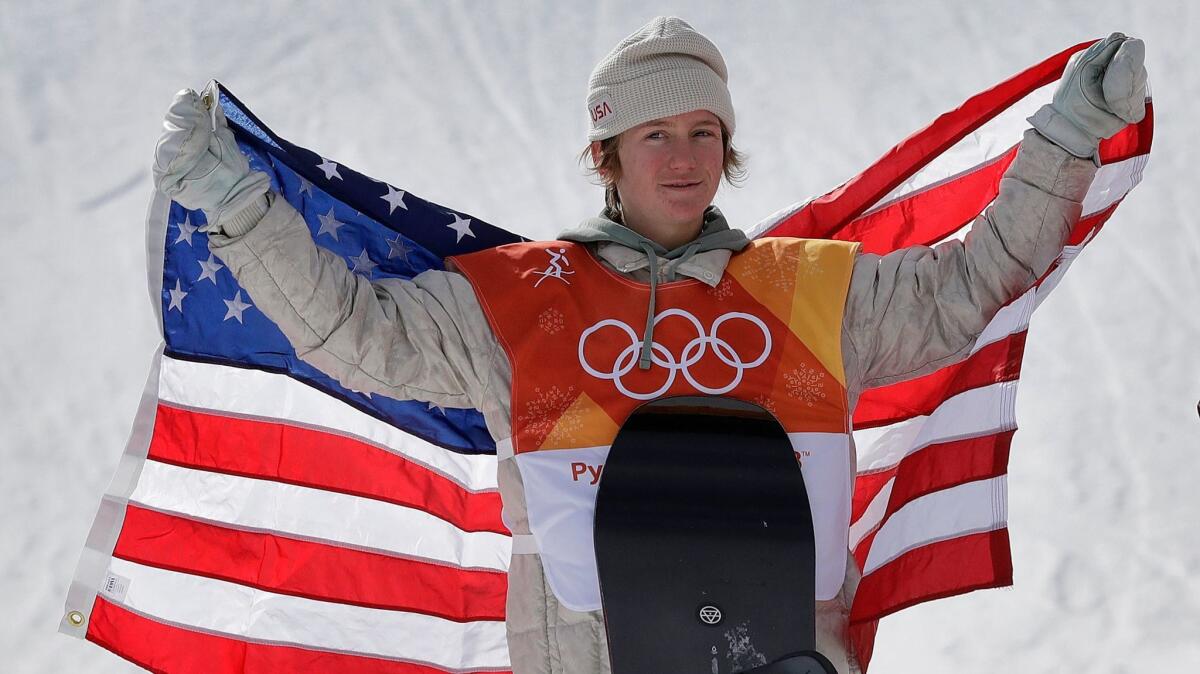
{"points": [[197, 163], [1102, 90]]}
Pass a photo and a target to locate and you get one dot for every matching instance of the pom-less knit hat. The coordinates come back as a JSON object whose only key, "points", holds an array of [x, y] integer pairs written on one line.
{"points": [[665, 68]]}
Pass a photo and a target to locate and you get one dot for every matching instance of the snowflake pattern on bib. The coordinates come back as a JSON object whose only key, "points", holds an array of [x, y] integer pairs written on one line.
{"points": [[773, 266], [722, 290], [551, 321], [805, 384], [544, 412]]}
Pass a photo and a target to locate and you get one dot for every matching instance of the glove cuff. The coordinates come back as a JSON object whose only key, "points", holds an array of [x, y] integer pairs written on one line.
{"points": [[1061, 131], [244, 220], [247, 191]]}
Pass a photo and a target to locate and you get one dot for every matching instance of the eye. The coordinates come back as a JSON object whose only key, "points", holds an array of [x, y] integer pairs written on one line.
{"points": [[655, 134], [705, 132]]}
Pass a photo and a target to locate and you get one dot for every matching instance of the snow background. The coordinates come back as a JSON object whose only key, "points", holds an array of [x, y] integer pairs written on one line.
{"points": [[480, 106]]}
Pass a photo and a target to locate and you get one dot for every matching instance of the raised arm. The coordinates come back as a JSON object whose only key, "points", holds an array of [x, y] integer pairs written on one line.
{"points": [[917, 309], [425, 339]]}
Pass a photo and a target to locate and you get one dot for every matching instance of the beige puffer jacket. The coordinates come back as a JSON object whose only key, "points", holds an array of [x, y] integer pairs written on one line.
{"points": [[908, 313]]}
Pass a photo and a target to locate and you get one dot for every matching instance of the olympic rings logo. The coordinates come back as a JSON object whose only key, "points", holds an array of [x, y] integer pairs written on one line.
{"points": [[692, 353]]}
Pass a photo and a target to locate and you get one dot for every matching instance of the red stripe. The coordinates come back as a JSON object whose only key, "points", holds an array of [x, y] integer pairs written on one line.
{"points": [[308, 569], [931, 214], [168, 649], [825, 216], [933, 468], [949, 464], [1132, 141], [866, 487], [1083, 227], [942, 569], [317, 459], [997, 362], [862, 642], [864, 548]]}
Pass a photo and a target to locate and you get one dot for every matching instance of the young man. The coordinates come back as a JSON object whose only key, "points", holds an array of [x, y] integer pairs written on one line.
{"points": [[662, 123]]}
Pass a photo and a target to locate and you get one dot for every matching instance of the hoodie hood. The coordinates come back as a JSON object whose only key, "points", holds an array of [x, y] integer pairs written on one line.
{"points": [[714, 233]]}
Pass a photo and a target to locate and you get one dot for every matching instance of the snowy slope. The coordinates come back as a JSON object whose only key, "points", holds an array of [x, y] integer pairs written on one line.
{"points": [[479, 106]]}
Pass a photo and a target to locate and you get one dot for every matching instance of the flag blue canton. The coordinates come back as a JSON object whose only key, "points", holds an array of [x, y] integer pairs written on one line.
{"points": [[380, 231]]}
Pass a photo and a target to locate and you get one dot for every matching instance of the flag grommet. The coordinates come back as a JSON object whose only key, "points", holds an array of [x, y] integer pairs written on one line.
{"points": [[75, 618]]}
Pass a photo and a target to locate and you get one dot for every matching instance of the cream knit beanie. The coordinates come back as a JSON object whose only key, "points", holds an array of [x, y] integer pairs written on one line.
{"points": [[664, 68]]}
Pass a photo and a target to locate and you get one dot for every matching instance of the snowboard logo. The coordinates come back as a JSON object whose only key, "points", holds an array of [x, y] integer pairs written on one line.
{"points": [[555, 269], [693, 352], [710, 614]]}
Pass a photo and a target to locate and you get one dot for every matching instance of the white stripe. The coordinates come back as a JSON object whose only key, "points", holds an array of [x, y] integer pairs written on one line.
{"points": [[993, 139], [248, 613], [314, 514], [1064, 263], [1009, 320], [761, 227], [985, 144], [1112, 183], [1014, 317], [978, 412], [950, 513], [872, 516], [254, 393]]}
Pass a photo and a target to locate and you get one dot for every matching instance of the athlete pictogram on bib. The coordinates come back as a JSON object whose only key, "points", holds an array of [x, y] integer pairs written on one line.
{"points": [[692, 353], [555, 270]]}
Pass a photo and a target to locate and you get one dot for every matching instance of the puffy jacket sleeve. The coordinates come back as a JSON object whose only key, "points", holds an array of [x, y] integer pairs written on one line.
{"points": [[421, 339], [917, 309]]}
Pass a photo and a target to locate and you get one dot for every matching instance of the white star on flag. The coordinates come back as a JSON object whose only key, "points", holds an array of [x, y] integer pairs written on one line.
{"points": [[186, 229], [461, 226], [306, 187], [395, 198], [235, 307], [436, 407], [177, 295], [330, 169], [396, 248], [362, 264], [329, 224], [209, 268]]}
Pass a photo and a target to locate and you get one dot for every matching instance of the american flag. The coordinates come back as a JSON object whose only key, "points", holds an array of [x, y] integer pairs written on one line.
{"points": [[263, 518], [929, 516]]}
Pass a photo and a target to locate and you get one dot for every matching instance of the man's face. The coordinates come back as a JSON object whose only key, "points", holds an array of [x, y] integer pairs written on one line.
{"points": [[670, 170]]}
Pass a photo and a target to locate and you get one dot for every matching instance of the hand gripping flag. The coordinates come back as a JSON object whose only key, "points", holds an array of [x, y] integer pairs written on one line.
{"points": [[263, 518]]}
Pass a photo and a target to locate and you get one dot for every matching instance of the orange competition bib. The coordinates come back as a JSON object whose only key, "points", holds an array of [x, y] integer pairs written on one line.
{"points": [[769, 333]]}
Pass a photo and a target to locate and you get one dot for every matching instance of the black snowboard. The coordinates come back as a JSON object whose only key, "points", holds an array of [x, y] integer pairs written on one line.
{"points": [[704, 543]]}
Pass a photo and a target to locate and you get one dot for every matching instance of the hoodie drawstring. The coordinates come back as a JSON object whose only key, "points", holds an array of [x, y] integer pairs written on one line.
{"points": [[714, 234], [644, 361], [648, 340]]}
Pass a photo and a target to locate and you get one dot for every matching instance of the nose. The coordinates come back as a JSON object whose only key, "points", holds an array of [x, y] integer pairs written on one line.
{"points": [[682, 155]]}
